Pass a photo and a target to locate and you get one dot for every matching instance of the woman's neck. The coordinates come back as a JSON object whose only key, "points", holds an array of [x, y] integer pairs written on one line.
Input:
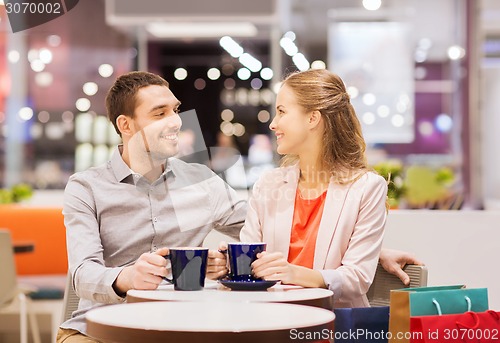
{"points": [[313, 174]]}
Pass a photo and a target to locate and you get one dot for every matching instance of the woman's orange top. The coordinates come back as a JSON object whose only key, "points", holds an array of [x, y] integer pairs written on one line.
{"points": [[306, 219]]}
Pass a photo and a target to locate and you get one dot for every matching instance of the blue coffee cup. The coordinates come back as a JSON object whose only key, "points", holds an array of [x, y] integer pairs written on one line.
{"points": [[241, 256], [189, 268]]}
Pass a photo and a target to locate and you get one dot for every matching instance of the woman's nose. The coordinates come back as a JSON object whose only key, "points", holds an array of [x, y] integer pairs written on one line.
{"points": [[272, 126]]}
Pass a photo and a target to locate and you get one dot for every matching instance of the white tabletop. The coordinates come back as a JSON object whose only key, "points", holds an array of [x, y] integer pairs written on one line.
{"points": [[214, 292], [205, 321]]}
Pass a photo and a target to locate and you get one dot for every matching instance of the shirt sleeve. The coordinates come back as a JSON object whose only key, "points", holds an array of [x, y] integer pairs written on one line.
{"points": [[252, 231], [354, 277], [228, 208], [91, 278]]}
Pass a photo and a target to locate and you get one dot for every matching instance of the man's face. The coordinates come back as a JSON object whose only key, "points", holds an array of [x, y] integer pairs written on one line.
{"points": [[156, 122]]}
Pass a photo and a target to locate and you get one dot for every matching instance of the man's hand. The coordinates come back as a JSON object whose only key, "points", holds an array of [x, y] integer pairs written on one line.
{"points": [[146, 273], [393, 261], [217, 262]]}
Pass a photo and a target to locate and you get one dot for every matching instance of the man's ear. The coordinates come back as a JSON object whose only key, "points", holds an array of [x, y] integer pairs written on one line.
{"points": [[124, 124], [314, 119]]}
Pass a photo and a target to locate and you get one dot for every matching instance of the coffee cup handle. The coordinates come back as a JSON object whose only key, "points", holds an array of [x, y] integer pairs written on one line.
{"points": [[171, 281], [224, 251]]}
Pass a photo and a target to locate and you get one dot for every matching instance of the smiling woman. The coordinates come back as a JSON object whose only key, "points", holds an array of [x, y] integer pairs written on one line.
{"points": [[322, 214]]}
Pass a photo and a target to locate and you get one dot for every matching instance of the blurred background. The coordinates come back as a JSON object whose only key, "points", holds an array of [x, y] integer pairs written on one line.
{"points": [[423, 75]]}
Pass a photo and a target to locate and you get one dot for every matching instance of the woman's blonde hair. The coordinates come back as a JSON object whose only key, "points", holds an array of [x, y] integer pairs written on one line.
{"points": [[343, 152]]}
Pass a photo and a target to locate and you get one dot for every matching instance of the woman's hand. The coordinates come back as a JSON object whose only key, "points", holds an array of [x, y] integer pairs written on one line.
{"points": [[273, 266]]}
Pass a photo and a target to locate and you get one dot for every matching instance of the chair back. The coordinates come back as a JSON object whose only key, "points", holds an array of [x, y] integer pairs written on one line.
{"points": [[8, 283], [71, 300], [380, 291]]}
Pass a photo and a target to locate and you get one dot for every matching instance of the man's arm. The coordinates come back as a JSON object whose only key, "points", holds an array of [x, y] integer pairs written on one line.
{"points": [[229, 209], [146, 273], [393, 261], [91, 278]]}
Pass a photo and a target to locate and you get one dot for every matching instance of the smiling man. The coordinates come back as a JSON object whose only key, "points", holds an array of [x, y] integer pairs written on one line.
{"points": [[121, 217]]}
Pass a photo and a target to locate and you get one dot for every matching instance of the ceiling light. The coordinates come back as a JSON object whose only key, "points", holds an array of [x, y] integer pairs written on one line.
{"points": [[45, 56], [456, 52], [231, 46], [213, 73], [244, 74], [201, 30], [105, 70], [266, 73], [14, 56], [290, 35], [372, 5], [44, 79], [90, 88], [25, 113], [37, 65], [301, 62], [180, 73], [83, 104], [398, 120], [250, 62], [318, 64], [289, 46]]}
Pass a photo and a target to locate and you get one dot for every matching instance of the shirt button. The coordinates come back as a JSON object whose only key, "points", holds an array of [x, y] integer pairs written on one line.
{"points": [[155, 219]]}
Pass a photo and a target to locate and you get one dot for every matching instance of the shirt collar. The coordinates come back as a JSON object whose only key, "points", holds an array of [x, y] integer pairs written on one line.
{"points": [[122, 170], [119, 167]]}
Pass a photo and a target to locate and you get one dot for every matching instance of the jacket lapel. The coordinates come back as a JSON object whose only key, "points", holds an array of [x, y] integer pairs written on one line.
{"points": [[285, 207], [334, 203]]}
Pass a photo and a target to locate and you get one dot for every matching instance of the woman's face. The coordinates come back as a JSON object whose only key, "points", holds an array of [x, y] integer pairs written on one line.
{"points": [[290, 124]]}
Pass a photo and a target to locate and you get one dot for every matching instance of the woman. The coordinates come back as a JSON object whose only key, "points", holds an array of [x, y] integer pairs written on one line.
{"points": [[322, 213]]}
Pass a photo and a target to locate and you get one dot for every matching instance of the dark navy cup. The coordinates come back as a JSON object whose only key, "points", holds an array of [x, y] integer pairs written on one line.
{"points": [[240, 256], [189, 268]]}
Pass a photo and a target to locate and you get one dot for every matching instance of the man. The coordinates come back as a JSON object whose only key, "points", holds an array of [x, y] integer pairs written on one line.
{"points": [[120, 217]]}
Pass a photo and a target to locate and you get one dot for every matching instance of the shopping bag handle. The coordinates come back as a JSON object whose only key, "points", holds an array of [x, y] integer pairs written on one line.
{"points": [[438, 307], [476, 320], [494, 314]]}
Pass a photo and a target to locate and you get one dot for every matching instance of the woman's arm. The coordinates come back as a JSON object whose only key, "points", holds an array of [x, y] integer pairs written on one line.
{"points": [[359, 262], [274, 266]]}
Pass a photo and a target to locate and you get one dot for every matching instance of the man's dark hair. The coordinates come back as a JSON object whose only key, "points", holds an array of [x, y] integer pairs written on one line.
{"points": [[122, 96]]}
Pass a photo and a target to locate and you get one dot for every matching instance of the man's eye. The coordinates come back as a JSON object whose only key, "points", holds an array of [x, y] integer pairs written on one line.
{"points": [[160, 114]]}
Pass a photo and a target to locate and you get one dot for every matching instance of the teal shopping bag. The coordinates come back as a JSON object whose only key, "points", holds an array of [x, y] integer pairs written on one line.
{"points": [[425, 301]]}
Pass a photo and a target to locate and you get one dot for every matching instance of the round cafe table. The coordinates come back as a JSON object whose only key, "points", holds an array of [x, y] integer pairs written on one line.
{"points": [[214, 292], [197, 322]]}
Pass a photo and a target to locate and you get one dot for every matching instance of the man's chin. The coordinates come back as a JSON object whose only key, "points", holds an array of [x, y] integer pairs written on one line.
{"points": [[164, 155]]}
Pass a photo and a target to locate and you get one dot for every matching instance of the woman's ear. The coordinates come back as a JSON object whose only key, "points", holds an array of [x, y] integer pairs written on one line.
{"points": [[314, 119], [124, 125]]}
